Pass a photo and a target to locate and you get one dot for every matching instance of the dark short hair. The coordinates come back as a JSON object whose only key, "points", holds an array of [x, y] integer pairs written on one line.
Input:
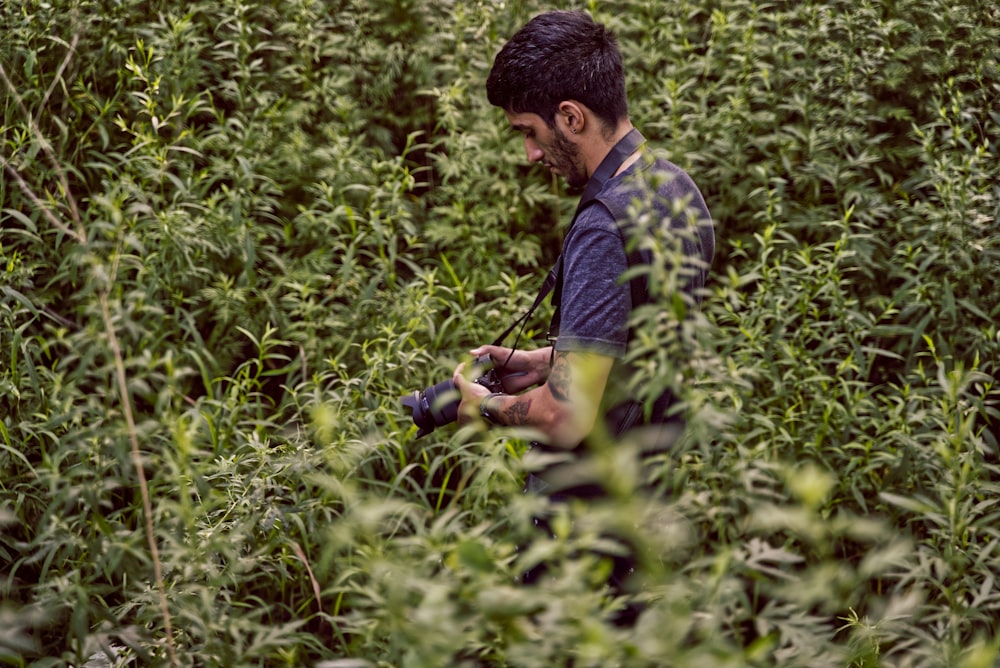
{"points": [[557, 56]]}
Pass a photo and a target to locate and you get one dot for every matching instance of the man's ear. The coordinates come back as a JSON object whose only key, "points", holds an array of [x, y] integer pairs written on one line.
{"points": [[571, 115]]}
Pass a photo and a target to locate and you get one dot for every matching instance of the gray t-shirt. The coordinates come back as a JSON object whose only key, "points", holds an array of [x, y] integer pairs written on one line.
{"points": [[595, 303]]}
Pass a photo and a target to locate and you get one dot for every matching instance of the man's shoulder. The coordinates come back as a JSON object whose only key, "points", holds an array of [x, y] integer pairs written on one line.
{"points": [[654, 172], [652, 181], [595, 215]]}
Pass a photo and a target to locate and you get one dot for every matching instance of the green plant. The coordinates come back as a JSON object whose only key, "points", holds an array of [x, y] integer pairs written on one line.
{"points": [[233, 235]]}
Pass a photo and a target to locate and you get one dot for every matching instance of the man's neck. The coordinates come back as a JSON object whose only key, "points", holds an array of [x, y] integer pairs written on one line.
{"points": [[602, 148]]}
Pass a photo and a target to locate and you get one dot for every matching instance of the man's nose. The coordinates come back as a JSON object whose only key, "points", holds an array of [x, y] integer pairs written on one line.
{"points": [[534, 153]]}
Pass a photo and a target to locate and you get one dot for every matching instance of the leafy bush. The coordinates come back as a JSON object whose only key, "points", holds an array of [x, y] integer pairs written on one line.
{"points": [[234, 234]]}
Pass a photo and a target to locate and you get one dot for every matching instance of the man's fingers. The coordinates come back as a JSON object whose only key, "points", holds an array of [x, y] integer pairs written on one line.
{"points": [[483, 350]]}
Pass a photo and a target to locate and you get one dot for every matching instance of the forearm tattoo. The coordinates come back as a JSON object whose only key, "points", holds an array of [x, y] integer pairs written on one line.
{"points": [[559, 378], [516, 414]]}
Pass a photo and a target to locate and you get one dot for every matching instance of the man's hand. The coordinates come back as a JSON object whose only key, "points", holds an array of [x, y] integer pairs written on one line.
{"points": [[472, 395], [519, 369], [562, 403]]}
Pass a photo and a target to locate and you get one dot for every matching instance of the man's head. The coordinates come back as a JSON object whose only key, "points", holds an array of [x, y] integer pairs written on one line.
{"points": [[560, 56]]}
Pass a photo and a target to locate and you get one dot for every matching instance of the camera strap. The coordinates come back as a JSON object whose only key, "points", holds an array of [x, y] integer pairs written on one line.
{"points": [[611, 163], [546, 288], [615, 158]]}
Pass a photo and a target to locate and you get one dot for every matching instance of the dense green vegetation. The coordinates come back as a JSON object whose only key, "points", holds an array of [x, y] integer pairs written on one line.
{"points": [[235, 232]]}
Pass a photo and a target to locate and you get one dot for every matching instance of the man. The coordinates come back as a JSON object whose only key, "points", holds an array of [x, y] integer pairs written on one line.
{"points": [[561, 83]]}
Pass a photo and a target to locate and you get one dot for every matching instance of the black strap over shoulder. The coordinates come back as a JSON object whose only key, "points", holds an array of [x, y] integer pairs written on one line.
{"points": [[619, 153], [615, 158]]}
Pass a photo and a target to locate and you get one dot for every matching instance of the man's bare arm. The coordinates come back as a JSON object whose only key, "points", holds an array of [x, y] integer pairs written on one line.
{"points": [[566, 407]]}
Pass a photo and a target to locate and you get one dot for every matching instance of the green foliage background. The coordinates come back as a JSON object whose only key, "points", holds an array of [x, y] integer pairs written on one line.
{"points": [[269, 220]]}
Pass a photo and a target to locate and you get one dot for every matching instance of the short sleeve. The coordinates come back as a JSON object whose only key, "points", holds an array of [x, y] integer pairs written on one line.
{"points": [[595, 305]]}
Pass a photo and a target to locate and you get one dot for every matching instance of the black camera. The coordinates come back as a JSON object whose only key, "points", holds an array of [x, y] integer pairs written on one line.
{"points": [[438, 404]]}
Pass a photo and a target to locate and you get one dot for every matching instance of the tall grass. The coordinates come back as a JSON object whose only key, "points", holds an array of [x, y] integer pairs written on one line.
{"points": [[234, 234]]}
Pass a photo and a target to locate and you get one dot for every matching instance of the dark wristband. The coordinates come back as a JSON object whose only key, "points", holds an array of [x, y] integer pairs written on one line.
{"points": [[484, 409]]}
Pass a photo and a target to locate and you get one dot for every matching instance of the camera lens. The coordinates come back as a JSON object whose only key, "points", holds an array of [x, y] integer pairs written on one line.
{"points": [[438, 404], [434, 407]]}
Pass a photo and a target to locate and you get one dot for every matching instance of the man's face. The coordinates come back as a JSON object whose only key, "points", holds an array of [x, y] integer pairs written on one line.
{"points": [[550, 147]]}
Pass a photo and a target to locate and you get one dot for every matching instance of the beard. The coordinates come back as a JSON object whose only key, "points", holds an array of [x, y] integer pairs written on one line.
{"points": [[564, 155]]}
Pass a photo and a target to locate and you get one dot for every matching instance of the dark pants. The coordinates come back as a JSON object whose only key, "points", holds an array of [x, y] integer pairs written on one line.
{"points": [[623, 564]]}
